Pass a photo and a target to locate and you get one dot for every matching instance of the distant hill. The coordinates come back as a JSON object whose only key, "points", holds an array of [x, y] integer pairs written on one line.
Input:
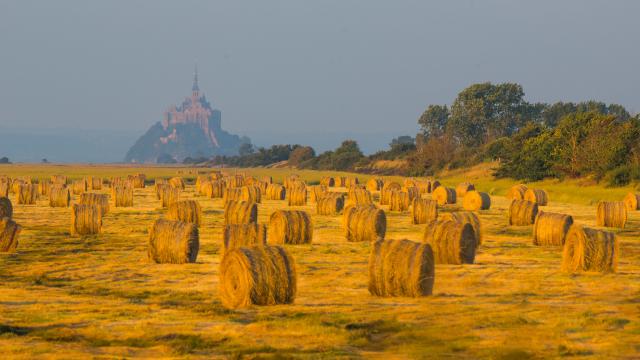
{"points": [[192, 129]]}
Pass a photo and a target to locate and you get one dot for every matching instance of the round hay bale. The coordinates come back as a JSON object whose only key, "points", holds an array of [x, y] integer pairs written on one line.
{"points": [[173, 242], [292, 180], [475, 200], [375, 184], [516, 192], [467, 217], [257, 275], [100, 200], [27, 194], [550, 229], [251, 193], [85, 219], [160, 181], [44, 187], [78, 187], [275, 192], [444, 195], [611, 214], [297, 196], [93, 183], [240, 212], [235, 181], [434, 185], [423, 210], [4, 189], [59, 179], [522, 212], [385, 193], [177, 182], [328, 181], [9, 232], [412, 191], [188, 211], [122, 195], [213, 189], [232, 194], [364, 223], [424, 186], [138, 180], [6, 208], [59, 196], [537, 196], [631, 201], [200, 180], [290, 227], [330, 204], [587, 249], [463, 188], [399, 201], [238, 235], [168, 195], [359, 197], [316, 192], [15, 186], [351, 181], [401, 268], [452, 242]]}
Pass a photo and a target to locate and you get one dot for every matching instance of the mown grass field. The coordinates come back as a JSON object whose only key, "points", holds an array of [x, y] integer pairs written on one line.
{"points": [[99, 297]]}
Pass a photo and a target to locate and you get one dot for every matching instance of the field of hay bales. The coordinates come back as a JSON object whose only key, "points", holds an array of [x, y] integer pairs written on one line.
{"points": [[99, 296]]}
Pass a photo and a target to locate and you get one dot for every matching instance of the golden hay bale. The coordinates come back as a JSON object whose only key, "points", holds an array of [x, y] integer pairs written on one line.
{"points": [[213, 189], [297, 196], [9, 232], [267, 180], [238, 235], [359, 197], [138, 180], [257, 275], [424, 186], [240, 212], [364, 223], [100, 200], [201, 179], [328, 181], [6, 208], [27, 194], [160, 189], [351, 181], [173, 242], [452, 242], [399, 201], [122, 195], [85, 219], [93, 182], [611, 214], [44, 187], [476, 200], [444, 195], [59, 179], [401, 268], [385, 193], [587, 249], [290, 227], [188, 211], [423, 210], [275, 192], [537, 196], [235, 181], [232, 194], [466, 217], [522, 212], [330, 204], [516, 192], [4, 189], [434, 185], [550, 229], [316, 192], [59, 196], [177, 182], [78, 187], [463, 188], [408, 183], [631, 201], [375, 184], [289, 180], [118, 181], [412, 191], [251, 193], [160, 181], [169, 195]]}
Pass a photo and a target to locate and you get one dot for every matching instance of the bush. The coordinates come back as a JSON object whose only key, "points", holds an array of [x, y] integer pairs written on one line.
{"points": [[623, 175]]}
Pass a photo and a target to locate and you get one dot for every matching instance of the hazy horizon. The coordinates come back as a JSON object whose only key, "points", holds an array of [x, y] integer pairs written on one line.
{"points": [[292, 71]]}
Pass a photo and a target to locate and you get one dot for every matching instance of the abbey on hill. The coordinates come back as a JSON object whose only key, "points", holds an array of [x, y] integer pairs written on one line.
{"points": [[192, 129]]}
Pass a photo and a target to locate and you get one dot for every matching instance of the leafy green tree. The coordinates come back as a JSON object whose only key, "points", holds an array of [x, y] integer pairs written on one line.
{"points": [[300, 155], [433, 121]]}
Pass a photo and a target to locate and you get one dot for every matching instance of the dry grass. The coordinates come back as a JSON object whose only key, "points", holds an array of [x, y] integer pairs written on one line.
{"points": [[98, 297]]}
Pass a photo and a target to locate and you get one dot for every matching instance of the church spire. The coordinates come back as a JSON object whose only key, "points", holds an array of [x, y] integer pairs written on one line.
{"points": [[195, 87]]}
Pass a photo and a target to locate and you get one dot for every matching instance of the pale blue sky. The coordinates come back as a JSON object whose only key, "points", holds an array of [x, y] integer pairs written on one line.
{"points": [[304, 71]]}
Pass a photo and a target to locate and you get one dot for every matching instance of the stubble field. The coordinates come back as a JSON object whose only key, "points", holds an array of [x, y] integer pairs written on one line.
{"points": [[99, 297]]}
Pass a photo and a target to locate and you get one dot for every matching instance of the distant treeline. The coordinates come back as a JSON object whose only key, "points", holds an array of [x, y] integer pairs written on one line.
{"points": [[488, 122]]}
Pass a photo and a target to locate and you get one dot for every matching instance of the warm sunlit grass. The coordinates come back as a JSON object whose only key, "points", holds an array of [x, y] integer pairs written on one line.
{"points": [[72, 297]]}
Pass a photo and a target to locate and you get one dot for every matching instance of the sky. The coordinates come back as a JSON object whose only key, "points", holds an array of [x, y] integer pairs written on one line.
{"points": [[312, 72]]}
